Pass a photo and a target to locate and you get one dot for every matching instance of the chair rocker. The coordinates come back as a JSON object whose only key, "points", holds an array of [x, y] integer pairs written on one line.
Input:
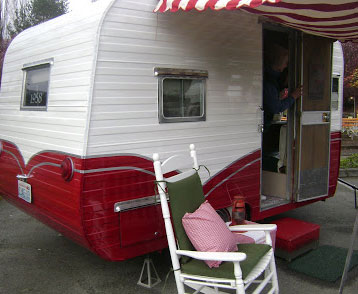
{"points": [[252, 263]]}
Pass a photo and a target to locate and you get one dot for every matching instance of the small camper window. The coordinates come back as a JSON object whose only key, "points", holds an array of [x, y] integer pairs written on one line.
{"points": [[335, 92], [35, 89], [181, 95]]}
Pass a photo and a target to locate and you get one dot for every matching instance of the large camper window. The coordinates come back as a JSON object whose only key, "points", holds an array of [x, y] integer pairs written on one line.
{"points": [[181, 95], [35, 90]]}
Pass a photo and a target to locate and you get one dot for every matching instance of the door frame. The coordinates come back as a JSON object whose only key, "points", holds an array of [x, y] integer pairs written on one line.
{"points": [[294, 71]]}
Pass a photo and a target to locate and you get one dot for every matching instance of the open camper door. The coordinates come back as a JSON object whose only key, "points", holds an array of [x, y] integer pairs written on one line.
{"points": [[314, 123]]}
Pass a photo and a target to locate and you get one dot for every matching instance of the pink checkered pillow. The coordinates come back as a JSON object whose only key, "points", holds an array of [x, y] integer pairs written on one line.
{"points": [[208, 232]]}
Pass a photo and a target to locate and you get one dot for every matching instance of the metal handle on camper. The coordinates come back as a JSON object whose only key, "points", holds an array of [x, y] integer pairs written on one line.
{"points": [[260, 128], [325, 117], [260, 119]]}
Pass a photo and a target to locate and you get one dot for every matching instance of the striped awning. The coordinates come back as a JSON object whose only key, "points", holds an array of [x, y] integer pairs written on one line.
{"points": [[201, 5], [337, 19]]}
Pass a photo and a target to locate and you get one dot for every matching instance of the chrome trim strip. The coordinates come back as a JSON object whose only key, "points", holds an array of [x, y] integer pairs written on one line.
{"points": [[231, 164], [88, 157], [88, 171], [18, 163], [136, 203], [230, 176], [42, 164]]}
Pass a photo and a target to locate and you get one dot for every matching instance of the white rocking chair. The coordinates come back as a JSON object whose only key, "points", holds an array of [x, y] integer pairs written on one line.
{"points": [[239, 269]]}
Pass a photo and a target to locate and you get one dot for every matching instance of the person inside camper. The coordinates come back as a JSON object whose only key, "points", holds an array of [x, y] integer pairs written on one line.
{"points": [[276, 100], [275, 83]]}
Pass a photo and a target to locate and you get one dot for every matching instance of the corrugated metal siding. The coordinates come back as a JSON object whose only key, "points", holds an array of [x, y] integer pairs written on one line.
{"points": [[134, 41], [71, 41]]}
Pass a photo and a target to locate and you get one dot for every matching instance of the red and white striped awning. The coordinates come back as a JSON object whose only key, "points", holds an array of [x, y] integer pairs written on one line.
{"points": [[337, 19], [201, 5]]}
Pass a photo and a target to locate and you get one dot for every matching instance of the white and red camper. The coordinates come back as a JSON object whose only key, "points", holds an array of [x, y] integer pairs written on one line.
{"points": [[86, 99]]}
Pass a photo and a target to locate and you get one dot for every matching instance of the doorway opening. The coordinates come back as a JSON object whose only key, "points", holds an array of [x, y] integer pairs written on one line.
{"points": [[275, 157]]}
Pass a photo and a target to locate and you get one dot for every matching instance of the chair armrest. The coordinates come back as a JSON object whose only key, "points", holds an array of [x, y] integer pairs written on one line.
{"points": [[217, 256], [258, 227]]}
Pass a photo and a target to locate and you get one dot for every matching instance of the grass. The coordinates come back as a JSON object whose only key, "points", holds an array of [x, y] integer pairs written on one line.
{"points": [[350, 161]]}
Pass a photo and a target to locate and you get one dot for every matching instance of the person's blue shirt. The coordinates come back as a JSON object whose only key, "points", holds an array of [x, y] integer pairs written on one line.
{"points": [[271, 93]]}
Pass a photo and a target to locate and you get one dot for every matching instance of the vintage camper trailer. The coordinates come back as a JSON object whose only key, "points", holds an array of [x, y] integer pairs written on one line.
{"points": [[86, 99]]}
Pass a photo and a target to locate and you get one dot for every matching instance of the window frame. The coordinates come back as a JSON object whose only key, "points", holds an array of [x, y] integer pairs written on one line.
{"points": [[180, 74], [46, 63]]}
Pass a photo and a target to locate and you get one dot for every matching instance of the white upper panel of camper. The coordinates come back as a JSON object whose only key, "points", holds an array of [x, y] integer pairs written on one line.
{"points": [[92, 83], [47, 83], [87, 84]]}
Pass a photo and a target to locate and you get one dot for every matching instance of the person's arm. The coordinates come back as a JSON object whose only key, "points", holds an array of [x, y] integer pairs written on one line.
{"points": [[272, 102]]}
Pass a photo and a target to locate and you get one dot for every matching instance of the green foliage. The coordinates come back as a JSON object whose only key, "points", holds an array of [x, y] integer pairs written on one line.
{"points": [[350, 50], [22, 20], [34, 12], [43, 10], [353, 79], [350, 161]]}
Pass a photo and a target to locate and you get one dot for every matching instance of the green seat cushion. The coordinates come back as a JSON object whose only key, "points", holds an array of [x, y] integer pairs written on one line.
{"points": [[254, 253], [185, 196]]}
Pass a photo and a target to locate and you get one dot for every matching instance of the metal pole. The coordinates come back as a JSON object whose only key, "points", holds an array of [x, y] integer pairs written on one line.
{"points": [[354, 106], [342, 182]]}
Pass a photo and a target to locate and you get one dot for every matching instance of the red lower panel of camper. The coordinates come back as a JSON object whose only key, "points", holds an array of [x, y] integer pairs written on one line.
{"points": [[82, 208]]}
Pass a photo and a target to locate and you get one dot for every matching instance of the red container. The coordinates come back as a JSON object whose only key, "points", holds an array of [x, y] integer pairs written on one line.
{"points": [[238, 210]]}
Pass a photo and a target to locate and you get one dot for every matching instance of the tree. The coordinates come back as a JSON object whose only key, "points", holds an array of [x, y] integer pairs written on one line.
{"points": [[18, 15], [352, 80], [350, 88], [350, 50], [43, 10], [22, 19], [34, 12], [6, 9]]}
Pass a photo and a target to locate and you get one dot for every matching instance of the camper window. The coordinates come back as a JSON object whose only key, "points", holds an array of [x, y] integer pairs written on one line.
{"points": [[181, 95], [335, 92], [35, 90]]}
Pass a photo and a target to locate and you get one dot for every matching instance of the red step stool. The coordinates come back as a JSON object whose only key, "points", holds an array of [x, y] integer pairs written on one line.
{"points": [[295, 237]]}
